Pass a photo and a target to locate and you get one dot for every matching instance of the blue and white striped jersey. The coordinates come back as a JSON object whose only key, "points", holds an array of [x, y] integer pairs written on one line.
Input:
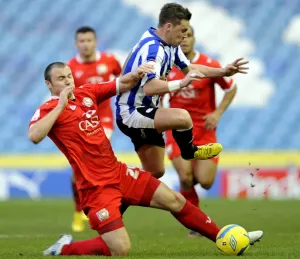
{"points": [[150, 48]]}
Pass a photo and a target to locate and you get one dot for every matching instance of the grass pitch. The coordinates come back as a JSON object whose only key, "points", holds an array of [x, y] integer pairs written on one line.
{"points": [[28, 227]]}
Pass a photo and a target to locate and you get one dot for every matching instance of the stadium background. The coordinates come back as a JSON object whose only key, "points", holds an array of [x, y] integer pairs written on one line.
{"points": [[260, 132]]}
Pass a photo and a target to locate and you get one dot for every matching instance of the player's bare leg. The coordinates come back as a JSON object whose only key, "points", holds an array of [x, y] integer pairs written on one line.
{"points": [[152, 159], [184, 170], [180, 122], [205, 172], [117, 241]]}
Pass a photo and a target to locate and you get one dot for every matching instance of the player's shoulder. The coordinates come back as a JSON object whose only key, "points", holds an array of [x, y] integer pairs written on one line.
{"points": [[204, 59], [47, 106], [50, 103], [106, 54], [72, 61]]}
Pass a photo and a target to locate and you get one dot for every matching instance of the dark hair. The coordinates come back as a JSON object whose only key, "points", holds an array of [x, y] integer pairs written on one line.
{"points": [[85, 29], [47, 72], [173, 13]]}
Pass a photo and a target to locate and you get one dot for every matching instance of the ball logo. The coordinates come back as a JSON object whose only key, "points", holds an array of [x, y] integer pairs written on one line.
{"points": [[87, 101], [233, 242]]}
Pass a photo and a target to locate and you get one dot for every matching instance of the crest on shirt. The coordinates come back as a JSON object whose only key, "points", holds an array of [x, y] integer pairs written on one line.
{"points": [[87, 101], [102, 69], [78, 73], [172, 75], [102, 214]]}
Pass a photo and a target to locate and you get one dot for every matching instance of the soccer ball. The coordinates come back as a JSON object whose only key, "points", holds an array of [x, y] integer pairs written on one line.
{"points": [[233, 240]]}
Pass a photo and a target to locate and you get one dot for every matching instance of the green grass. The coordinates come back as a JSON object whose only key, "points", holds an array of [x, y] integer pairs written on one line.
{"points": [[28, 227]]}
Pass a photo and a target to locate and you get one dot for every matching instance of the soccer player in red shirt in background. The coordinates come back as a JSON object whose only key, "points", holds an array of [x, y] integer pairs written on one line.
{"points": [[92, 66], [199, 100], [70, 119]]}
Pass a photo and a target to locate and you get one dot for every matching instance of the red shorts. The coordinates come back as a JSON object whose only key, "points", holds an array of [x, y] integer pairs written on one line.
{"points": [[101, 204], [201, 137]]}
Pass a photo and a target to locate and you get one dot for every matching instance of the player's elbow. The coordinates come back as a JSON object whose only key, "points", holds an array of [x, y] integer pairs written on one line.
{"points": [[33, 137]]}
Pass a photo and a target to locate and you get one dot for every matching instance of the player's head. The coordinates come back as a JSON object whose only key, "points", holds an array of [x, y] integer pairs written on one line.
{"points": [[57, 76], [174, 19], [188, 43], [86, 41]]}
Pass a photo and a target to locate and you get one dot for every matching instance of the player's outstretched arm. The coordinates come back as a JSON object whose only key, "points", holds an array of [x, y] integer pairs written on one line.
{"points": [[238, 66], [40, 129], [130, 80], [159, 87]]}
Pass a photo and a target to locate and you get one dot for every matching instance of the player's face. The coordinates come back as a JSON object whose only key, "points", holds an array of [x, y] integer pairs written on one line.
{"points": [[86, 43], [187, 44], [178, 32], [60, 79]]}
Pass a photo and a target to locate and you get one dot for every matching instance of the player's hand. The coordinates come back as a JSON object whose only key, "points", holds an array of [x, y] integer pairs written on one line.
{"points": [[144, 69], [211, 120], [238, 66], [64, 96], [193, 75]]}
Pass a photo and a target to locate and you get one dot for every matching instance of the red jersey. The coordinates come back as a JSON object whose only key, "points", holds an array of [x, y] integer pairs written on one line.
{"points": [[102, 70], [198, 98], [79, 135]]}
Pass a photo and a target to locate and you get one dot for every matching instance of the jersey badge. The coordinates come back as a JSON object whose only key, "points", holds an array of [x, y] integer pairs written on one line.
{"points": [[102, 69], [87, 101]]}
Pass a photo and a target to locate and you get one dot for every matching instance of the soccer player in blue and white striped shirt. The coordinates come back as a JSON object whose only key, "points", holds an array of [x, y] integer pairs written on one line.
{"points": [[137, 113]]}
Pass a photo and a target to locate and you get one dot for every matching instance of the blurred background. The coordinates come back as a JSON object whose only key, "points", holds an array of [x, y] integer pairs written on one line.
{"points": [[260, 132]]}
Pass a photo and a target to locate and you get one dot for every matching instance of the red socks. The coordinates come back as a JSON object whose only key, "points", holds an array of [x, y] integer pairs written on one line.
{"points": [[191, 196], [95, 246], [195, 219], [76, 197]]}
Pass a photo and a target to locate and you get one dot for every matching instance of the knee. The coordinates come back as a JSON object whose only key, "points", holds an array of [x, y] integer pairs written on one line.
{"points": [[158, 174], [206, 184], [184, 119], [122, 249]]}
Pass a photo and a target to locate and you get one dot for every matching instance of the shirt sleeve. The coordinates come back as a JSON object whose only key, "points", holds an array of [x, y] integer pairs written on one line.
{"points": [[117, 67], [181, 60], [104, 91], [40, 113]]}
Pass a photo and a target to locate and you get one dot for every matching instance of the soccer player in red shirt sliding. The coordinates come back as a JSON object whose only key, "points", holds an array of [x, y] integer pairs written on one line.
{"points": [[199, 100], [92, 66], [71, 121]]}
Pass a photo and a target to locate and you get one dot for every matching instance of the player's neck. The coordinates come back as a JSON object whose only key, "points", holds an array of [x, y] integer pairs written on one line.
{"points": [[191, 55], [89, 59], [159, 32]]}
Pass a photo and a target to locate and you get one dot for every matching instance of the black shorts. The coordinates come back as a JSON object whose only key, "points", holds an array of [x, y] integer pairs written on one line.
{"points": [[140, 128]]}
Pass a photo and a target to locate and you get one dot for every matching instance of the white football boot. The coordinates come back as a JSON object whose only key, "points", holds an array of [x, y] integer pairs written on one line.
{"points": [[255, 236], [56, 248]]}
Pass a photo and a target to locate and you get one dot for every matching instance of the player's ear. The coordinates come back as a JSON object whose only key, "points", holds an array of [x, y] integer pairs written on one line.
{"points": [[168, 27], [49, 84]]}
